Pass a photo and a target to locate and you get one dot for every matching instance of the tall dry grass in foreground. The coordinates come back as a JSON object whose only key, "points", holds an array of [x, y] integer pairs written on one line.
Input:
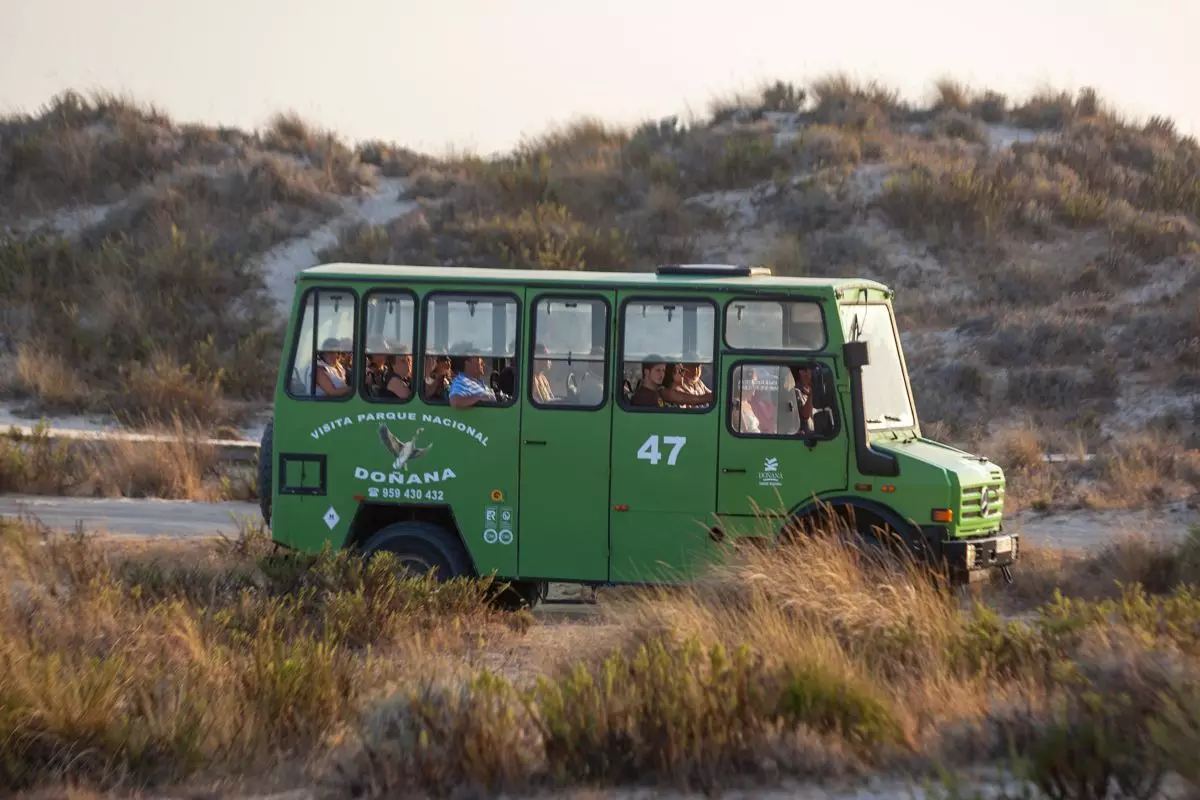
{"points": [[120, 674], [817, 663], [820, 663]]}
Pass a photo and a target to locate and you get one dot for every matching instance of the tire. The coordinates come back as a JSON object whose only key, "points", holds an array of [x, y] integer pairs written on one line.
{"points": [[420, 547], [265, 458]]}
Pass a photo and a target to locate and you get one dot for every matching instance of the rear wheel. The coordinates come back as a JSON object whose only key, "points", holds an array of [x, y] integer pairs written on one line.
{"points": [[264, 471], [421, 547]]}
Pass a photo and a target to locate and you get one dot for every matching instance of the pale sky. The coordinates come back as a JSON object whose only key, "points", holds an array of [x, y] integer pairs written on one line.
{"points": [[477, 75]]}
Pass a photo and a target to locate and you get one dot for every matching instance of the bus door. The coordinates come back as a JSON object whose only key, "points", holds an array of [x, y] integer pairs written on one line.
{"points": [[663, 455], [781, 437], [566, 430]]}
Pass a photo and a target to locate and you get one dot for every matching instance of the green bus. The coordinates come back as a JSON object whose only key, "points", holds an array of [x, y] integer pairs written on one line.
{"points": [[605, 428]]}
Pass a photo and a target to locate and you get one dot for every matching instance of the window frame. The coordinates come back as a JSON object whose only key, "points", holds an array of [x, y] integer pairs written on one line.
{"points": [[778, 361], [608, 323], [362, 393], [778, 298], [356, 367], [620, 362], [424, 343]]}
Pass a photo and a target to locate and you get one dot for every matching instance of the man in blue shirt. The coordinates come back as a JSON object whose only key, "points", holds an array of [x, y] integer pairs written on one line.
{"points": [[468, 387]]}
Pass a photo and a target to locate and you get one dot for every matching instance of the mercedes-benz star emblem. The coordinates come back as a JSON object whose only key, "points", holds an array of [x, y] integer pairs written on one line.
{"points": [[984, 502]]}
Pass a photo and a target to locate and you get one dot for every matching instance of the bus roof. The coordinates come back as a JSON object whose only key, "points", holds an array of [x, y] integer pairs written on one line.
{"points": [[690, 275]]}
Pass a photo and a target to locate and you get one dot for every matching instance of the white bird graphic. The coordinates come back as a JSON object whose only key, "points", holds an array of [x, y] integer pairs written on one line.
{"points": [[403, 451]]}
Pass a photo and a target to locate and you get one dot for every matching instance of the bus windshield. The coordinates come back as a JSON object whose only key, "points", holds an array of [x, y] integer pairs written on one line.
{"points": [[886, 400]]}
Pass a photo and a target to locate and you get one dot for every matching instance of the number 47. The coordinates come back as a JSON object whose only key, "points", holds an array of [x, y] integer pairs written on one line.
{"points": [[649, 449]]}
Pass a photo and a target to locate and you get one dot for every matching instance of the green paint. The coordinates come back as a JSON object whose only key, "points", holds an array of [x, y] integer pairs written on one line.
{"points": [[586, 488]]}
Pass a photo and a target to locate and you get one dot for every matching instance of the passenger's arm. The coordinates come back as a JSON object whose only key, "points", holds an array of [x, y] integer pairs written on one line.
{"points": [[464, 400], [399, 388], [673, 395]]}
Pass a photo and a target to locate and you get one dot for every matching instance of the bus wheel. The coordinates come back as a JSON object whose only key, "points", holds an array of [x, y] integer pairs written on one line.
{"points": [[264, 471], [421, 547]]}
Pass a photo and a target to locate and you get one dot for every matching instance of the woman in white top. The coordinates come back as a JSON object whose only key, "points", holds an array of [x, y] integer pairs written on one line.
{"points": [[332, 380]]}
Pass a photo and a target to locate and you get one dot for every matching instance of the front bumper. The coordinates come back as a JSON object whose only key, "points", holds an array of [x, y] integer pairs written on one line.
{"points": [[986, 552]]}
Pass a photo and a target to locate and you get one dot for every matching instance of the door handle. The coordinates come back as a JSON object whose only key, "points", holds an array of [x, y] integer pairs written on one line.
{"points": [[533, 441], [732, 469]]}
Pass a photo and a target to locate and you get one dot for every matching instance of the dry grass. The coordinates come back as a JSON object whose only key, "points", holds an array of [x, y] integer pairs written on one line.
{"points": [[178, 466], [822, 661], [130, 673]]}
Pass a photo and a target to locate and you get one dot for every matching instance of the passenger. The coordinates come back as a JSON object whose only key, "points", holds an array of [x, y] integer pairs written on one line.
{"points": [[763, 399], [744, 420], [331, 375], [649, 391], [542, 391], [684, 390], [437, 377], [804, 395], [588, 390], [468, 387], [692, 382], [388, 375]]}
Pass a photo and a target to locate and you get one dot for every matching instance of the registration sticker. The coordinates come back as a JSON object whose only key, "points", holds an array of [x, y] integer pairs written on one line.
{"points": [[1004, 544]]}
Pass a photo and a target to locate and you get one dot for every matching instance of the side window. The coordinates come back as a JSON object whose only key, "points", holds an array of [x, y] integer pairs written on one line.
{"points": [[774, 325], [323, 362], [390, 325], [470, 349], [667, 354], [793, 399], [567, 368]]}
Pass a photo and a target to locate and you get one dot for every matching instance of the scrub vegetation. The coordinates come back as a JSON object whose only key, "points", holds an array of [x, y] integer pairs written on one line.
{"points": [[224, 667], [1044, 250]]}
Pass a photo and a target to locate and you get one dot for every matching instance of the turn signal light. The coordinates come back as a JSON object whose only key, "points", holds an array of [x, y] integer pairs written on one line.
{"points": [[943, 515]]}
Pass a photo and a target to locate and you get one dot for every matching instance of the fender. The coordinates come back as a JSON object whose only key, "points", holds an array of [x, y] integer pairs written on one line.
{"points": [[910, 532]]}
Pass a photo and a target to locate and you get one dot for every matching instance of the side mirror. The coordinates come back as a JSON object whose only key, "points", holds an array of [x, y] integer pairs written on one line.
{"points": [[856, 355], [822, 420]]}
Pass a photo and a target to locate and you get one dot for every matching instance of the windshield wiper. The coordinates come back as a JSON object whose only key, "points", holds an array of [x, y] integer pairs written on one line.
{"points": [[874, 421], [889, 416]]}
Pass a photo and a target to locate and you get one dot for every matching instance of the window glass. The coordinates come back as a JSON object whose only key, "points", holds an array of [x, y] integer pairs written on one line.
{"points": [[567, 367], [774, 325], [667, 354], [324, 359], [779, 400], [470, 348], [388, 347], [884, 383]]}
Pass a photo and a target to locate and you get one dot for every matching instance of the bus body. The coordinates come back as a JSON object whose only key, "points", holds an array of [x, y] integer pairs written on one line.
{"points": [[568, 475]]}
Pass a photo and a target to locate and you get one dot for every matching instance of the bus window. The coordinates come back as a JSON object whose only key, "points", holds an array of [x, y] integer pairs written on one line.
{"points": [[666, 349], [778, 400], [567, 366], [323, 361], [388, 347], [774, 325], [477, 333]]}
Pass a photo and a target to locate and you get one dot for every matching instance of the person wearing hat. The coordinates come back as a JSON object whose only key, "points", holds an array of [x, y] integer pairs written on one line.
{"points": [[389, 372], [331, 375]]}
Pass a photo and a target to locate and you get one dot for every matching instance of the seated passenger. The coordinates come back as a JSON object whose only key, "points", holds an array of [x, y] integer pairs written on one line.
{"points": [[468, 387], [649, 391], [743, 419], [682, 390], [332, 379], [542, 391], [388, 375], [437, 377]]}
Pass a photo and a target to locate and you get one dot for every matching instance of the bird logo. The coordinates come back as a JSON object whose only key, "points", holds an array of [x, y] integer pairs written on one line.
{"points": [[403, 451]]}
